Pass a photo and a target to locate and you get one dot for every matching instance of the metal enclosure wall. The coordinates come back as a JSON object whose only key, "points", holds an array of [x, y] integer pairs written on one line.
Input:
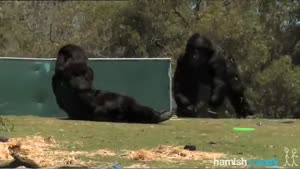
{"points": [[25, 87]]}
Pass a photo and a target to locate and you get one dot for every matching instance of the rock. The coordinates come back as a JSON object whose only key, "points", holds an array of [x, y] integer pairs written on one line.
{"points": [[190, 147], [3, 139], [212, 143]]}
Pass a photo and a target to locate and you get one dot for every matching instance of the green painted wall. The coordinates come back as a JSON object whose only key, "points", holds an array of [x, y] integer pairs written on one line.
{"points": [[26, 84]]}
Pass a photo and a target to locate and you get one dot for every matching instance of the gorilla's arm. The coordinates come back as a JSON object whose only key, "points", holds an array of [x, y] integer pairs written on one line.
{"points": [[233, 76], [55, 84], [178, 96], [218, 66], [83, 81], [58, 90], [78, 69]]}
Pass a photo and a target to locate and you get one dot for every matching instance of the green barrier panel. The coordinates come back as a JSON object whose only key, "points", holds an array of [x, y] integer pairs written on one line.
{"points": [[26, 83]]}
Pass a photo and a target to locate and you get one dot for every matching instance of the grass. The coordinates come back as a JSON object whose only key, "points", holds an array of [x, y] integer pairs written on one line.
{"points": [[211, 135]]}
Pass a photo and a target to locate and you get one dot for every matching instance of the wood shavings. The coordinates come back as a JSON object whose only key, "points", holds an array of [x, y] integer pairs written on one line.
{"points": [[45, 152], [170, 153], [37, 148], [138, 166]]}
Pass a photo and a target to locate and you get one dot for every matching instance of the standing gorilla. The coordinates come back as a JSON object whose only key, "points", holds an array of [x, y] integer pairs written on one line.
{"points": [[72, 85], [203, 71]]}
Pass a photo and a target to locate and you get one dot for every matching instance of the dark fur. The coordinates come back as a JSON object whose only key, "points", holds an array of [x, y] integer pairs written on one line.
{"points": [[72, 85], [109, 106], [296, 57], [201, 65], [72, 76], [68, 99]]}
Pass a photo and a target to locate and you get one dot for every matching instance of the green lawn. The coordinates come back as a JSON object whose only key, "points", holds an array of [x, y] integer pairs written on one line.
{"points": [[211, 135]]}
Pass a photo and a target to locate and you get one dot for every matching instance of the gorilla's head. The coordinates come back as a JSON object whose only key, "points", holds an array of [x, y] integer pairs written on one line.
{"points": [[199, 48], [71, 56]]}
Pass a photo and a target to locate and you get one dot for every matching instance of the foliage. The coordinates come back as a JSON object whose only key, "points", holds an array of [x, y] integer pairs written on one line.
{"points": [[6, 125], [38, 28], [278, 90], [149, 29]]}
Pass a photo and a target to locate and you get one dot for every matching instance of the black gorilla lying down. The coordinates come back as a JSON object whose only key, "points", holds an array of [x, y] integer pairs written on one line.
{"points": [[72, 85], [203, 71], [108, 106]]}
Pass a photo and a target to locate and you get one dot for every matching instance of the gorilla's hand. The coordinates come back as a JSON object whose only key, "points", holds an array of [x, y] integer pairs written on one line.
{"points": [[184, 101], [199, 107], [80, 83], [190, 107], [215, 101]]}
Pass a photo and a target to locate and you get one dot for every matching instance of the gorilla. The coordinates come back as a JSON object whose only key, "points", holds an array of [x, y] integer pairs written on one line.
{"points": [[72, 76], [203, 77], [296, 57], [72, 85]]}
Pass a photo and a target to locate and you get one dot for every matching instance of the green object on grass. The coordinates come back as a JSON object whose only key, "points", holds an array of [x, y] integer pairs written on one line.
{"points": [[243, 130]]}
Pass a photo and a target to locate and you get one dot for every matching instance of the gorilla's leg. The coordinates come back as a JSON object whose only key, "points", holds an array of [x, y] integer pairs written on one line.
{"points": [[134, 112], [235, 90], [119, 108], [203, 96], [184, 106], [143, 114], [186, 112], [239, 103]]}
